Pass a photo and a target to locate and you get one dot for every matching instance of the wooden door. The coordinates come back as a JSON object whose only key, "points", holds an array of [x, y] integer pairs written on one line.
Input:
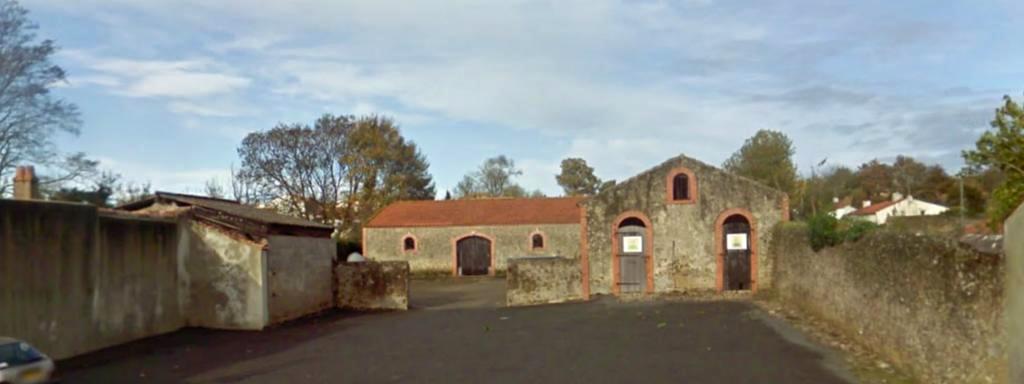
{"points": [[736, 242], [474, 256]]}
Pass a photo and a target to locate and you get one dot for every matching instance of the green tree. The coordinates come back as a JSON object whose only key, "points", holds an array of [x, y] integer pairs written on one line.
{"points": [[577, 178], [1002, 148], [766, 157], [339, 171], [494, 178], [29, 115], [875, 179]]}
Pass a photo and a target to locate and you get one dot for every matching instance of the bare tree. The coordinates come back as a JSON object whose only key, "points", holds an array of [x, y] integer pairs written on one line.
{"points": [[29, 114]]}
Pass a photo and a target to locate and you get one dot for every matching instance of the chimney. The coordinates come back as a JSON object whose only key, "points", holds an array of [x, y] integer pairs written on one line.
{"points": [[896, 196], [866, 203], [26, 185]]}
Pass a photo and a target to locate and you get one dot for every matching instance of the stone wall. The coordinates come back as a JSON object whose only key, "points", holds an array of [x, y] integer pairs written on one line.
{"points": [[372, 285], [74, 280], [543, 280], [435, 250], [684, 246], [300, 276], [1014, 245], [925, 303]]}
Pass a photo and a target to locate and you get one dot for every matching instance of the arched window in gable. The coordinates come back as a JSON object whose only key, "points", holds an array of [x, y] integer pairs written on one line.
{"points": [[681, 187]]}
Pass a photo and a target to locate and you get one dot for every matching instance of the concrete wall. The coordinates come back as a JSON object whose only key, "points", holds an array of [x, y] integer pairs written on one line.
{"points": [[73, 280], [373, 285], [1014, 243], [225, 275], [543, 280], [435, 245], [299, 271], [929, 305], [684, 251]]}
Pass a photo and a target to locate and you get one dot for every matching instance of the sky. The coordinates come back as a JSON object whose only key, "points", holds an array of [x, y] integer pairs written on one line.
{"points": [[168, 89]]}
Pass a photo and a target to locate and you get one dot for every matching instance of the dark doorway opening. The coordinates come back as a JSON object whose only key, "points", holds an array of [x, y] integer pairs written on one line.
{"points": [[736, 242], [474, 256]]}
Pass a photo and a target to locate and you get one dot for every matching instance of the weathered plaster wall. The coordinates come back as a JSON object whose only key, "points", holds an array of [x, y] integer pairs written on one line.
{"points": [[684, 253], [434, 251], [73, 280], [927, 304], [299, 272], [1014, 243], [543, 280], [226, 285], [372, 285]]}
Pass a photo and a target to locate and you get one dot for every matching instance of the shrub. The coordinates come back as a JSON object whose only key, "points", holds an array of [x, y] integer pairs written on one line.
{"points": [[823, 231], [853, 230]]}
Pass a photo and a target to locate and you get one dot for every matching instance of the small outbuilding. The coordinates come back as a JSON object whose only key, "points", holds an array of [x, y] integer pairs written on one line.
{"points": [[245, 267]]}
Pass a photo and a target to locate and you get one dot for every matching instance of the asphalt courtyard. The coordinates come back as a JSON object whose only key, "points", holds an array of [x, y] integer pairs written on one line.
{"points": [[458, 332]]}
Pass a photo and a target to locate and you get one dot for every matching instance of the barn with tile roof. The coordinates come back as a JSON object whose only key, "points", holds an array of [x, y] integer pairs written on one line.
{"points": [[473, 236]]}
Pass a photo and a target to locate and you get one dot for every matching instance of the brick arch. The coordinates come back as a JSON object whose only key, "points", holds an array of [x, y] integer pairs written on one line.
{"points": [[691, 185], [720, 249], [455, 251], [648, 249]]}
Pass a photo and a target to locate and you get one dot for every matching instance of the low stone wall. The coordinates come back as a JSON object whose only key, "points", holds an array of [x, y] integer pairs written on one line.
{"points": [[1014, 243], [543, 280], [372, 285], [74, 280], [929, 305]]}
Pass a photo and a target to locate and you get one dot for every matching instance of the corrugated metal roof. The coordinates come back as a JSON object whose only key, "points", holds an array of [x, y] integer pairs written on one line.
{"points": [[472, 212]]}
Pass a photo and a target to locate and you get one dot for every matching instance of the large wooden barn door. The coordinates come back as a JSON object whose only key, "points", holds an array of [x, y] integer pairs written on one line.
{"points": [[737, 245], [474, 255]]}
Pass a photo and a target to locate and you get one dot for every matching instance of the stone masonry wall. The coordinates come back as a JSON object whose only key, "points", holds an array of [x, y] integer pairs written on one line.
{"points": [[435, 245], [1014, 243], [684, 253], [74, 280], [925, 303], [543, 280], [372, 285]]}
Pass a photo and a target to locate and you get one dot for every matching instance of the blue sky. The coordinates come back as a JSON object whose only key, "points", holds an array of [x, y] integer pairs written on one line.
{"points": [[169, 88]]}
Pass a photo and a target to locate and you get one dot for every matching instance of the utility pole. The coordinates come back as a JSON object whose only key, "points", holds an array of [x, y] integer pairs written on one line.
{"points": [[961, 200]]}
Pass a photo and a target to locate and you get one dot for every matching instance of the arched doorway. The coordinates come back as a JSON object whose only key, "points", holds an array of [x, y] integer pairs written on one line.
{"points": [[473, 255], [632, 245], [736, 246]]}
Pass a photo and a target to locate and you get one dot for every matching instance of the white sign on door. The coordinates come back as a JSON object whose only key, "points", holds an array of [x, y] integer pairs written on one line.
{"points": [[736, 242], [632, 244]]}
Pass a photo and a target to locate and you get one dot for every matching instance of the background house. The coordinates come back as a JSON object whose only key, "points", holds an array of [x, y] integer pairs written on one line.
{"points": [[899, 206]]}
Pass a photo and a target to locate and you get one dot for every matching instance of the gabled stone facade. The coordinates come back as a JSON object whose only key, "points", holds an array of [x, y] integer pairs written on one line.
{"points": [[685, 251]]}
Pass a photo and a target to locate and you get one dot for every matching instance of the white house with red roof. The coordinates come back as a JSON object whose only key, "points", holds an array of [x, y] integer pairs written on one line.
{"points": [[879, 213]]}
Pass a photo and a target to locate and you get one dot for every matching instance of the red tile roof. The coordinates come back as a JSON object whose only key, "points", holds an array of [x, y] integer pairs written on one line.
{"points": [[469, 212], [874, 208]]}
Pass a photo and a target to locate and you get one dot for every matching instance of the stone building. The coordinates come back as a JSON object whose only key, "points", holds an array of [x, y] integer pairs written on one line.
{"points": [[683, 225], [472, 237], [244, 267]]}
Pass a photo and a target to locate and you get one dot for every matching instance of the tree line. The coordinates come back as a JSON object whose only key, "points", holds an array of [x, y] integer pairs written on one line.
{"points": [[342, 168]]}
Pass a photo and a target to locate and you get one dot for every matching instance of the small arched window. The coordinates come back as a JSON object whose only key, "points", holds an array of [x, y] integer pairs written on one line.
{"points": [[409, 244], [681, 187], [537, 241]]}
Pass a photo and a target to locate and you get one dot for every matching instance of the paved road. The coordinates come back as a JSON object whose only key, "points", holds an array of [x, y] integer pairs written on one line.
{"points": [[604, 341]]}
